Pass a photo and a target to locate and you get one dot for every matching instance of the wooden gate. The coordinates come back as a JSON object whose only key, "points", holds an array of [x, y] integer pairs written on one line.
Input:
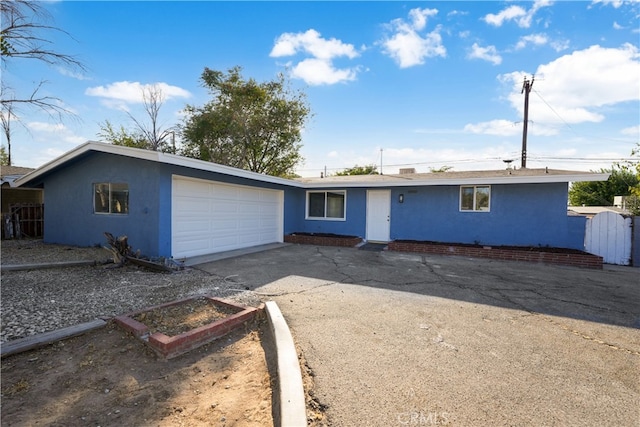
{"points": [[608, 235], [24, 220]]}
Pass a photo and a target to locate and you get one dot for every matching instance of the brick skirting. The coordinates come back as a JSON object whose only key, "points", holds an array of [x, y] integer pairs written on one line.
{"points": [[310, 239], [576, 259], [172, 346]]}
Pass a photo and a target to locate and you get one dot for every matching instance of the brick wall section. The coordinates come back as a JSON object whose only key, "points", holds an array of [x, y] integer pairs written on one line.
{"points": [[575, 259], [322, 240], [170, 347]]}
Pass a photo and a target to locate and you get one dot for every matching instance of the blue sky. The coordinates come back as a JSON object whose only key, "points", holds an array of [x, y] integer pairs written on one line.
{"points": [[429, 83]]}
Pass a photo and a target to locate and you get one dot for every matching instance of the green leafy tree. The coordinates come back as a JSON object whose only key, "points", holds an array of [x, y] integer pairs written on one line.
{"points": [[122, 136], [633, 204], [248, 125], [4, 157], [601, 193], [633, 166], [359, 170]]}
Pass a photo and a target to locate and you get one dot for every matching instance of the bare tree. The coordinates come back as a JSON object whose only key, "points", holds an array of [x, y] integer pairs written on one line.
{"points": [[153, 99], [5, 116], [147, 135], [24, 26]]}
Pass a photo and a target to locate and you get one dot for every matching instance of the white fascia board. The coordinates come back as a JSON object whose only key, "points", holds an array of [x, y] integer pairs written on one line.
{"points": [[54, 163], [539, 179], [227, 170], [204, 165], [81, 149], [153, 156]]}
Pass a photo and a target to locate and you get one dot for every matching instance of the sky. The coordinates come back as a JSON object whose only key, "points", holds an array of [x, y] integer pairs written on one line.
{"points": [[400, 84]]}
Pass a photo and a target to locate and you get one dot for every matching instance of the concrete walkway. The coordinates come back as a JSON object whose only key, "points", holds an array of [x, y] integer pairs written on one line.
{"points": [[402, 339]]}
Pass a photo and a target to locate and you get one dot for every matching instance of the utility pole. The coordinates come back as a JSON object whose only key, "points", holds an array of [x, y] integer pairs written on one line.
{"points": [[526, 88], [381, 162]]}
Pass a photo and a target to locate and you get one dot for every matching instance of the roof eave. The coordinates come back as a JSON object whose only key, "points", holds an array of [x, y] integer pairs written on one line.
{"points": [[176, 160], [151, 156], [204, 165], [512, 179]]}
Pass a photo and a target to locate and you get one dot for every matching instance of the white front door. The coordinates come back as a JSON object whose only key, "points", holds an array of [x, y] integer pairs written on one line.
{"points": [[378, 215]]}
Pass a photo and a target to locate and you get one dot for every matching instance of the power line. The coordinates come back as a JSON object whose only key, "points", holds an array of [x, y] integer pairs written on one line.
{"points": [[533, 158], [555, 112]]}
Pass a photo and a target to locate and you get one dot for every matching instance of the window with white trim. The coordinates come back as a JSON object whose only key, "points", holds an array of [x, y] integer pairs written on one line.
{"points": [[475, 198], [326, 205], [111, 198]]}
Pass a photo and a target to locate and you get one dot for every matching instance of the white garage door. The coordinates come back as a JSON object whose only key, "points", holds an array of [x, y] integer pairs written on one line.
{"points": [[209, 217]]}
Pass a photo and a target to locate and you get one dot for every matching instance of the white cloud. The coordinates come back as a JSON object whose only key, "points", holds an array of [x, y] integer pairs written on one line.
{"points": [[311, 42], [560, 45], [516, 13], [633, 130], [615, 3], [494, 127], [534, 39], [120, 93], [419, 17], [541, 39], [617, 26], [319, 69], [407, 46], [488, 53], [502, 127], [578, 84], [72, 74], [508, 14], [569, 90], [54, 132], [457, 12], [315, 71], [45, 127]]}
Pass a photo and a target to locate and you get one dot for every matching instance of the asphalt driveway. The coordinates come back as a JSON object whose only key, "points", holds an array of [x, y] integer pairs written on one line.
{"points": [[401, 339]]}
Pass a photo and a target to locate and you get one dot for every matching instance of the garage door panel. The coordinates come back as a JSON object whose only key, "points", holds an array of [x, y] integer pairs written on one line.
{"points": [[223, 209], [192, 206], [210, 217], [249, 224], [192, 244], [190, 188], [188, 229]]}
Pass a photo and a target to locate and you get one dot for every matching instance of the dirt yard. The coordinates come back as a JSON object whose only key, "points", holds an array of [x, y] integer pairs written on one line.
{"points": [[108, 378]]}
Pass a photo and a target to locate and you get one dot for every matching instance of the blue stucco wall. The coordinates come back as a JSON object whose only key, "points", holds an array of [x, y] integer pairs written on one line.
{"points": [[523, 215], [68, 198], [353, 225], [520, 215]]}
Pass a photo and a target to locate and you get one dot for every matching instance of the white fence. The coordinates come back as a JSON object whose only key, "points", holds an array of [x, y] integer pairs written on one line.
{"points": [[608, 235]]}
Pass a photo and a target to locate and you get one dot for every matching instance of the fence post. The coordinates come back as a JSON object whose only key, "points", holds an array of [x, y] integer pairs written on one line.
{"points": [[635, 241], [17, 227], [7, 226]]}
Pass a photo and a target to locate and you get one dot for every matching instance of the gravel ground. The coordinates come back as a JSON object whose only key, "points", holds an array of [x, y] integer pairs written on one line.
{"points": [[37, 301]]}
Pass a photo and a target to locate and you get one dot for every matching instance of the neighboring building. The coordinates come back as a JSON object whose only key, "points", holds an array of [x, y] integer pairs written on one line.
{"points": [[170, 205], [11, 194], [591, 211], [21, 210]]}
